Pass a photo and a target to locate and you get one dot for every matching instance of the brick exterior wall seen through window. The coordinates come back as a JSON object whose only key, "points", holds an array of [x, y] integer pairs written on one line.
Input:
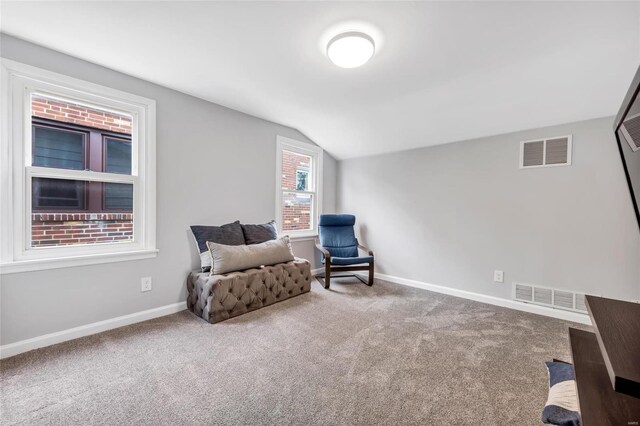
{"points": [[296, 209], [67, 112], [61, 229]]}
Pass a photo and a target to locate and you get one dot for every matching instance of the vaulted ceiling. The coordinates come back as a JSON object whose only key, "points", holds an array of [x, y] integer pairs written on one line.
{"points": [[443, 71]]}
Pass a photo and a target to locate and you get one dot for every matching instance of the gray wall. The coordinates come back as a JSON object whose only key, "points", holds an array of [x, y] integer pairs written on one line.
{"points": [[451, 214], [214, 165]]}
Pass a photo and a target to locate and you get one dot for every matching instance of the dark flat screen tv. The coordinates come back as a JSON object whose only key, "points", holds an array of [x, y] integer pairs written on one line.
{"points": [[627, 130]]}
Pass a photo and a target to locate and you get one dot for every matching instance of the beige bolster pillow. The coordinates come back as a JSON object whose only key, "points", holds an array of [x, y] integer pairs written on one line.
{"points": [[226, 258]]}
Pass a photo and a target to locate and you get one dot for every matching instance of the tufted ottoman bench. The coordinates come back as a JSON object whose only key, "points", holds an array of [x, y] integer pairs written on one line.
{"points": [[219, 297]]}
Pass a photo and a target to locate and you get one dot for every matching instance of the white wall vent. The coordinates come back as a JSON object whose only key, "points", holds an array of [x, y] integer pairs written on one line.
{"points": [[523, 292], [563, 299], [551, 297], [547, 152], [543, 296], [631, 131], [581, 304]]}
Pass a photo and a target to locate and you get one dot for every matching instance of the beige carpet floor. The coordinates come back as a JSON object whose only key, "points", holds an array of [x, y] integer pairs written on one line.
{"points": [[352, 355]]}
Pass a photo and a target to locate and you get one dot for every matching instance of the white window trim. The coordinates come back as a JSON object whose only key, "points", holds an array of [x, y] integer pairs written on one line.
{"points": [[16, 255], [315, 174], [544, 152]]}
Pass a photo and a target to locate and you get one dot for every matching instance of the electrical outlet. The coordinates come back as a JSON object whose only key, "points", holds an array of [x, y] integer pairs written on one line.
{"points": [[145, 284], [498, 276]]}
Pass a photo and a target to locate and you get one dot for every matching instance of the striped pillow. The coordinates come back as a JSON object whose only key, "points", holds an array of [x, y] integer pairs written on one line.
{"points": [[562, 404]]}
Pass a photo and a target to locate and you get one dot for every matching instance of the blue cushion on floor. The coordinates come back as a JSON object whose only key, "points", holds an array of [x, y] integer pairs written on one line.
{"points": [[350, 260], [562, 405]]}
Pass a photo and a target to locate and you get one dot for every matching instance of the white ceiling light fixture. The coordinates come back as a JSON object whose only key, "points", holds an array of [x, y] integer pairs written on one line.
{"points": [[351, 49]]}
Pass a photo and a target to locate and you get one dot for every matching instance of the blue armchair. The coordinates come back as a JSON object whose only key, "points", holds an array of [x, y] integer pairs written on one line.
{"points": [[339, 246]]}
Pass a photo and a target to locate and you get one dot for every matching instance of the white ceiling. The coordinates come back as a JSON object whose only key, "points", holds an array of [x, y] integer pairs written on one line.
{"points": [[443, 72]]}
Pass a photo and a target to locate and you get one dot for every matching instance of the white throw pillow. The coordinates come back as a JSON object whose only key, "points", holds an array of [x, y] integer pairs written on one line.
{"points": [[226, 258]]}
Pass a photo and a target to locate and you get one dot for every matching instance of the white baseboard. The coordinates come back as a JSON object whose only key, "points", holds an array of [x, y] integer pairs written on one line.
{"points": [[492, 300], [97, 327], [85, 330]]}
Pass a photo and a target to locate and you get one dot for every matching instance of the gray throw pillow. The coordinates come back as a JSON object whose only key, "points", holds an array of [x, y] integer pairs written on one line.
{"points": [[226, 258], [229, 234], [256, 234]]}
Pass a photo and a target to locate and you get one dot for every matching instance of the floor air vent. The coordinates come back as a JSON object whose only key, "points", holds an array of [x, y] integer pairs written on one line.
{"points": [[551, 297]]}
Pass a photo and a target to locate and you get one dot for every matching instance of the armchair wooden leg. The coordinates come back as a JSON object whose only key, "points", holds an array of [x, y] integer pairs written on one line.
{"points": [[327, 273], [370, 283]]}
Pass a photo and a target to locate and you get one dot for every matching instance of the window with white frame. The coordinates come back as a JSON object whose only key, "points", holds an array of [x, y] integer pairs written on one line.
{"points": [[298, 183], [78, 172]]}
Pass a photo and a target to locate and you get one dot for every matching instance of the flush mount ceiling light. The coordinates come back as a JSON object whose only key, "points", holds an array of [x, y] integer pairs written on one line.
{"points": [[351, 49]]}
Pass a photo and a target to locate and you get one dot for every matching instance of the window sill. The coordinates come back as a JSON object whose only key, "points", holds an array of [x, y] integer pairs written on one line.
{"points": [[71, 261], [303, 237]]}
